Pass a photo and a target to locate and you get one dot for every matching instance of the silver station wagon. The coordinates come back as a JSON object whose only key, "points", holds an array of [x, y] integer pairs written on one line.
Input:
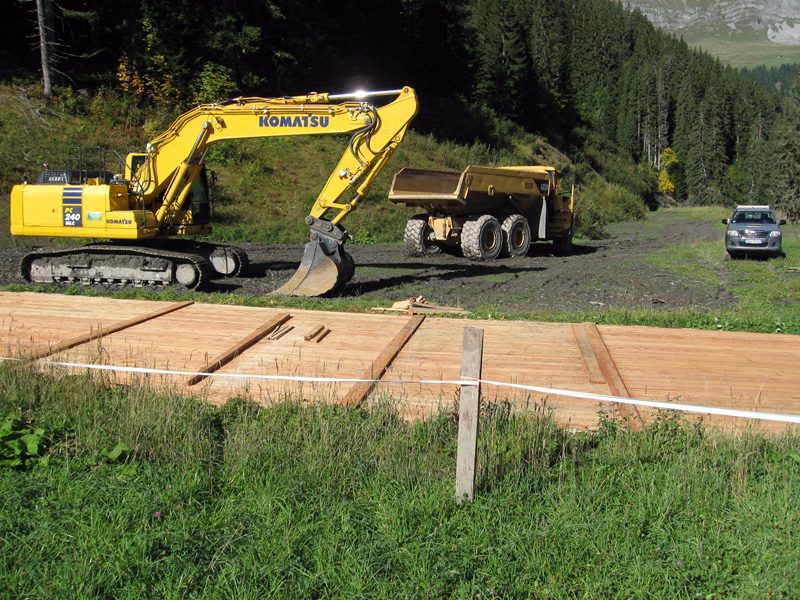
{"points": [[753, 230]]}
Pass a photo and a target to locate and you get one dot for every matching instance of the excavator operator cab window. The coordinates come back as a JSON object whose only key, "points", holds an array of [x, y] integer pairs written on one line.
{"points": [[198, 199], [133, 163]]}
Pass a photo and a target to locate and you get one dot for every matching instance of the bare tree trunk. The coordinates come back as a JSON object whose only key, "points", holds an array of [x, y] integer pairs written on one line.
{"points": [[44, 12], [662, 135]]}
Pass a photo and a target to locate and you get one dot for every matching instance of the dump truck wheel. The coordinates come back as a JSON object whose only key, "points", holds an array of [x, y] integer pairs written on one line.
{"points": [[418, 237], [482, 238], [516, 236]]}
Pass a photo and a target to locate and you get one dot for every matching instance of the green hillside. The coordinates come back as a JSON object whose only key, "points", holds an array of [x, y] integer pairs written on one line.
{"points": [[264, 188], [750, 53]]}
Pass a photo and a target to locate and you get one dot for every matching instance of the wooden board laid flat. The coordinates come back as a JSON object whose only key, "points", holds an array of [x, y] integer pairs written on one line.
{"points": [[37, 323], [749, 371], [416, 362], [527, 353]]}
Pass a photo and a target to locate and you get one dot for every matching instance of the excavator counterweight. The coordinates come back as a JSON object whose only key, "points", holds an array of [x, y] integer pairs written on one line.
{"points": [[163, 193]]}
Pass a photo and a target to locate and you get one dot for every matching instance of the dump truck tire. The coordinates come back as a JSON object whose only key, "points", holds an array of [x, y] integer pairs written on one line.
{"points": [[417, 237], [516, 235], [482, 238]]}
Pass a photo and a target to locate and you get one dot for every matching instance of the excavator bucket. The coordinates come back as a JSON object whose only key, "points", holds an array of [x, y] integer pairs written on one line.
{"points": [[325, 266]]}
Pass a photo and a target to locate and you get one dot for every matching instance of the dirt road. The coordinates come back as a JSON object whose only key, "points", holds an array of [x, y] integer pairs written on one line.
{"points": [[609, 273]]}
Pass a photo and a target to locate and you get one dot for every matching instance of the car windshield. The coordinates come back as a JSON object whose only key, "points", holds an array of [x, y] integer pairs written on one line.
{"points": [[754, 216]]}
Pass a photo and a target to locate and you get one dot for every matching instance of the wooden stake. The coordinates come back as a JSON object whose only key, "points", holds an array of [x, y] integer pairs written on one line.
{"points": [[468, 415], [279, 333]]}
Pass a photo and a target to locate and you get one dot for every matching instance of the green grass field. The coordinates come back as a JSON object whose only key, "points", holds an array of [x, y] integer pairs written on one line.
{"points": [[767, 290], [749, 54], [131, 494]]}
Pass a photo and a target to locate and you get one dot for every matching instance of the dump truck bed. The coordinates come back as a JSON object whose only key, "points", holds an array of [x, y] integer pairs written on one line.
{"points": [[475, 190]]}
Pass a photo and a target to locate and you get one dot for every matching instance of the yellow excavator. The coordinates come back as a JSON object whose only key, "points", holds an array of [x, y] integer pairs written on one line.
{"points": [[162, 194]]}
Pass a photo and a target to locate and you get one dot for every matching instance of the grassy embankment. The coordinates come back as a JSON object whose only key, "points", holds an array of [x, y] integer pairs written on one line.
{"points": [[150, 495], [267, 186]]}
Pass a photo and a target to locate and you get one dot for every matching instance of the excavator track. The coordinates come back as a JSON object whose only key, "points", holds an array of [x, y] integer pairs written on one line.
{"points": [[228, 261], [112, 264]]}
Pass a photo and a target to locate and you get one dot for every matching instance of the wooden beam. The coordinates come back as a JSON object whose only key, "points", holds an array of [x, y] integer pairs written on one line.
{"points": [[613, 379], [101, 331], [239, 347], [314, 333], [359, 392], [468, 413], [590, 363]]}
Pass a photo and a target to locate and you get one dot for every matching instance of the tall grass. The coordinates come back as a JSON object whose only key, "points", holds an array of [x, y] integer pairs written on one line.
{"points": [[302, 501]]}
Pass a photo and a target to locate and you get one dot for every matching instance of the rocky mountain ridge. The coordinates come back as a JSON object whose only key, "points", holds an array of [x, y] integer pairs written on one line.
{"points": [[775, 21]]}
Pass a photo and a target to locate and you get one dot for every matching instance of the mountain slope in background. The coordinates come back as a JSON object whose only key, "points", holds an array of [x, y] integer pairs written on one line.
{"points": [[741, 32]]}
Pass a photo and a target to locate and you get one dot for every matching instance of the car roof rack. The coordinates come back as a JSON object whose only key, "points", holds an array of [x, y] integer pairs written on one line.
{"points": [[754, 207]]}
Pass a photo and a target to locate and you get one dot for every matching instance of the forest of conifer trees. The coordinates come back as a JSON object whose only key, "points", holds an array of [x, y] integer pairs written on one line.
{"points": [[576, 71]]}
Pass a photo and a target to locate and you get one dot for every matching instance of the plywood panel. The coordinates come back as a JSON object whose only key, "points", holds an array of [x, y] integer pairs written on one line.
{"points": [[353, 343], [35, 322], [525, 353], [727, 369]]}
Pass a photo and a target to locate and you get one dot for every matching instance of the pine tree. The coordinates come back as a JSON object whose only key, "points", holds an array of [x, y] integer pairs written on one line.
{"points": [[786, 155]]}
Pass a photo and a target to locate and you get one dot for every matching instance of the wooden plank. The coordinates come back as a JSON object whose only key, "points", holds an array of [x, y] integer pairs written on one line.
{"points": [[279, 333], [101, 331], [589, 358], [313, 333], [613, 379], [240, 347], [469, 411], [361, 389]]}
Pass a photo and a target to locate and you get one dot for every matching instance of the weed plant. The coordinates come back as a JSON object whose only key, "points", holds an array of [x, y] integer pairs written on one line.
{"points": [[147, 495]]}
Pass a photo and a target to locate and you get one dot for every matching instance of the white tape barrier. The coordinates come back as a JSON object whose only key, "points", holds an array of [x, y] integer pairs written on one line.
{"points": [[711, 410]]}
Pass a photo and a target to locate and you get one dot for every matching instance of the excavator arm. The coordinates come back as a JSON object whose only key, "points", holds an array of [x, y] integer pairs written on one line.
{"points": [[174, 159]]}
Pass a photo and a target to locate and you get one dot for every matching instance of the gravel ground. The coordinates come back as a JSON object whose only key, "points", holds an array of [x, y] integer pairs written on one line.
{"points": [[605, 273]]}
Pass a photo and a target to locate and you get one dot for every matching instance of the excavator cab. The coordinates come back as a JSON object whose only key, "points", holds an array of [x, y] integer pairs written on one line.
{"points": [[198, 199]]}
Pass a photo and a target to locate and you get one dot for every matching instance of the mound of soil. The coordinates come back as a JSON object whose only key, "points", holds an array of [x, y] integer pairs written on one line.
{"points": [[611, 273]]}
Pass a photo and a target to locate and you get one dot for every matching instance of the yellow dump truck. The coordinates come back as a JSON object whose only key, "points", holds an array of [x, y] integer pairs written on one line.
{"points": [[487, 211]]}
